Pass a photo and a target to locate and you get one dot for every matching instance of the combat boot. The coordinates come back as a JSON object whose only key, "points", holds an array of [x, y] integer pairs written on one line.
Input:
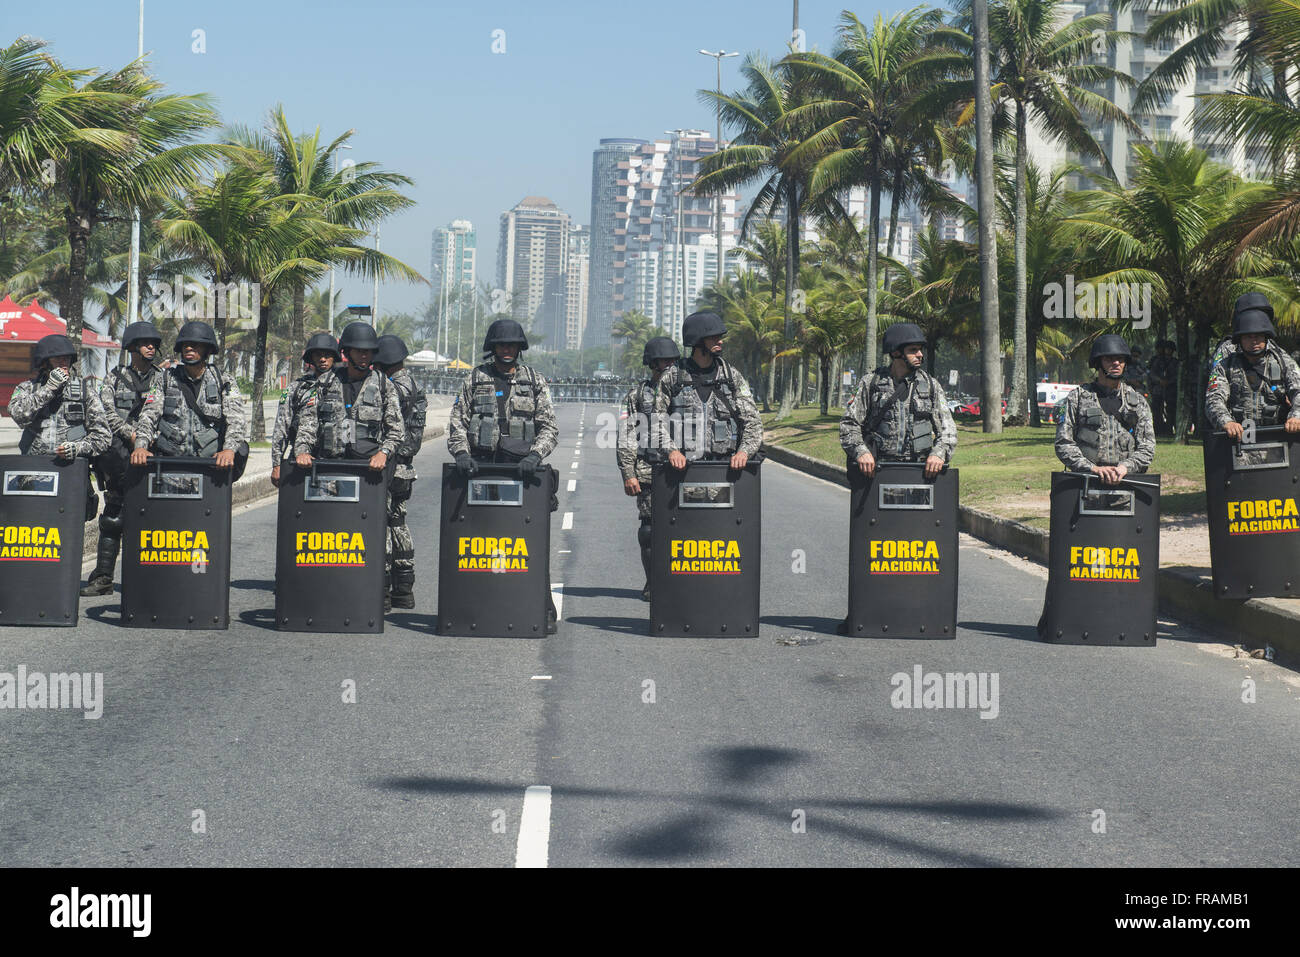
{"points": [[388, 592], [101, 579], [403, 588]]}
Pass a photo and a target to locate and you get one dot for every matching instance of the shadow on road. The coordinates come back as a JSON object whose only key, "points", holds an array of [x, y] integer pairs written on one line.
{"points": [[254, 584], [599, 592], [108, 614], [824, 626], [1003, 630], [626, 626], [259, 618]]}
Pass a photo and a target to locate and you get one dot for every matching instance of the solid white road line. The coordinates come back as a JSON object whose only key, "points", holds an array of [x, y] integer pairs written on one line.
{"points": [[573, 485], [533, 849], [572, 466], [568, 520], [541, 677], [557, 596]]}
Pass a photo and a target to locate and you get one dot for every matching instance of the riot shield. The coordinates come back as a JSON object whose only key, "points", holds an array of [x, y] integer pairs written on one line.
{"points": [[1251, 491], [706, 540], [903, 552], [42, 526], [176, 545], [494, 555], [329, 553], [1103, 561]]}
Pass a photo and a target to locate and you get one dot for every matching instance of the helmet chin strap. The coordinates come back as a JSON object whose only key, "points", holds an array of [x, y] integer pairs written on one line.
{"points": [[192, 362]]}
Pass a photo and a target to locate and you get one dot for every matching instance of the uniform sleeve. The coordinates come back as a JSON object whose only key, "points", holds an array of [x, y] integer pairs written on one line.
{"points": [[546, 427], [458, 419], [280, 432], [945, 441], [234, 409], [1145, 434], [117, 425], [1217, 393], [1291, 375], [304, 440], [1067, 450], [394, 427], [627, 435], [751, 436], [146, 423], [414, 411], [853, 419], [28, 400], [98, 437], [661, 420]]}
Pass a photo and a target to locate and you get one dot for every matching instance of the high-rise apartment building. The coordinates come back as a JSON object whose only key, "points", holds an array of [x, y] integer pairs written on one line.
{"points": [[453, 266], [576, 283], [532, 257]]}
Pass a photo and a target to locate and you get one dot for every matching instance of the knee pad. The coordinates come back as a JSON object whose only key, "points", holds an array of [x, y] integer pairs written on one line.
{"points": [[110, 524], [643, 535]]}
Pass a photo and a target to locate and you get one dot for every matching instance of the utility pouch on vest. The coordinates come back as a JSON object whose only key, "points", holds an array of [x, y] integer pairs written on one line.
{"points": [[1088, 426], [514, 449], [922, 435], [721, 432]]}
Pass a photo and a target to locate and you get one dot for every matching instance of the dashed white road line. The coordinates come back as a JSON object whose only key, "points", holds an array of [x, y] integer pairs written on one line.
{"points": [[541, 678], [533, 848], [565, 551], [572, 466], [568, 520], [577, 451], [573, 485]]}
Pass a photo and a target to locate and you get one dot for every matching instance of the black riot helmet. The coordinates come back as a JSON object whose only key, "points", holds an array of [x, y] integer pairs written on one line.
{"points": [[660, 347], [198, 333], [139, 332], [322, 342], [1108, 345], [358, 335], [1253, 313], [52, 346], [504, 332], [902, 334], [701, 325], [392, 350]]}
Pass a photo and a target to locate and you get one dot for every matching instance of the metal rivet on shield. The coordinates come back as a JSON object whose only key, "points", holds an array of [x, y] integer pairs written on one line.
{"points": [[724, 627], [153, 617], [215, 619], [1146, 636], [528, 519], [1287, 586], [298, 514], [661, 627], [686, 627], [309, 621], [1250, 588], [884, 628], [60, 509], [510, 627], [141, 510], [284, 621], [1121, 636], [1139, 528], [42, 614], [534, 627], [945, 629], [873, 521], [923, 629], [363, 514], [859, 627], [1085, 636], [347, 621], [1058, 633], [207, 511], [191, 619], [1225, 589], [673, 520], [371, 624], [937, 522], [747, 627]]}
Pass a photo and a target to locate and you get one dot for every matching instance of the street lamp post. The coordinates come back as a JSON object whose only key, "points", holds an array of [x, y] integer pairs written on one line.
{"points": [[374, 320], [719, 57], [679, 251], [133, 279], [330, 306]]}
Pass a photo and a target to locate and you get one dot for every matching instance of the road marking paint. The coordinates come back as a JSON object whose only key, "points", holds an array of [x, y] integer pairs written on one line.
{"points": [[573, 466], [577, 451], [568, 520], [573, 485], [565, 551], [541, 678], [533, 848], [557, 596]]}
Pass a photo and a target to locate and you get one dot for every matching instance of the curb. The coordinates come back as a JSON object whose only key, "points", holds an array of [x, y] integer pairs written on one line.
{"points": [[1185, 592], [250, 488]]}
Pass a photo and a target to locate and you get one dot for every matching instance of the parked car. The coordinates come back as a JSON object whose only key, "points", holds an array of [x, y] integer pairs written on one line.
{"points": [[973, 408]]}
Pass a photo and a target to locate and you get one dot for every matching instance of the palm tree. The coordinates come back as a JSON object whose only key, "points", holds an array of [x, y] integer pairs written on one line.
{"points": [[635, 329], [1041, 70]]}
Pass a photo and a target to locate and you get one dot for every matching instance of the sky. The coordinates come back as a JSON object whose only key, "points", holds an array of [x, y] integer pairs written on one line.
{"points": [[419, 82]]}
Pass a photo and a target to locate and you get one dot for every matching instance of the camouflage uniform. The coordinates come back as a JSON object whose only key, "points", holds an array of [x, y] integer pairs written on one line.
{"points": [[914, 427], [1242, 389], [51, 416], [330, 429], [300, 393], [717, 429], [1086, 435], [174, 429], [523, 399], [411, 400], [633, 438]]}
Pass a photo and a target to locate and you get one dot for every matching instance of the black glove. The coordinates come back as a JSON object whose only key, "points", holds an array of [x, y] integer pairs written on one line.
{"points": [[529, 464], [465, 465]]}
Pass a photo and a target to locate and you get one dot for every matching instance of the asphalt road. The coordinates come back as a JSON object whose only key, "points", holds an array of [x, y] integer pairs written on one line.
{"points": [[774, 750]]}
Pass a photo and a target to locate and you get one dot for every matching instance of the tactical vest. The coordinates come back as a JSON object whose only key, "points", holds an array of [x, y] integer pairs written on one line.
{"points": [[721, 435], [194, 432], [1089, 422], [63, 420], [919, 438], [128, 400], [1265, 402], [351, 431], [487, 431], [414, 407]]}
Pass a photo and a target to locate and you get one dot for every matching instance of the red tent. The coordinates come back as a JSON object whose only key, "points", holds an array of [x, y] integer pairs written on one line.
{"points": [[21, 327]]}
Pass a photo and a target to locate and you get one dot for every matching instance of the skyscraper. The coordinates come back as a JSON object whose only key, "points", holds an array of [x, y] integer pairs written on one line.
{"points": [[576, 280], [532, 256], [612, 201], [453, 260]]}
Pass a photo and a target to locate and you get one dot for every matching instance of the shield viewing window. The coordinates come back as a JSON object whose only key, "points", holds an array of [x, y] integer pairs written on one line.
{"points": [[1265, 455], [1103, 501], [907, 497], [704, 495], [175, 485], [32, 483], [496, 491], [332, 488]]}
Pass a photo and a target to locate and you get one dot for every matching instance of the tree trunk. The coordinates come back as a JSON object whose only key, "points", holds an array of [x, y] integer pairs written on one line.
{"points": [[825, 391], [770, 397], [297, 335], [1019, 360], [990, 332], [258, 433], [893, 209], [1186, 383], [71, 308], [1031, 334], [804, 365], [873, 264], [791, 279]]}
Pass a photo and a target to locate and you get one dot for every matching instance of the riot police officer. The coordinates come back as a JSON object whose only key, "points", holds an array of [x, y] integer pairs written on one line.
{"points": [[706, 398], [1256, 381], [202, 413], [58, 411], [1105, 426], [635, 439], [504, 414], [401, 547], [320, 355], [899, 412], [126, 392], [1162, 380]]}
